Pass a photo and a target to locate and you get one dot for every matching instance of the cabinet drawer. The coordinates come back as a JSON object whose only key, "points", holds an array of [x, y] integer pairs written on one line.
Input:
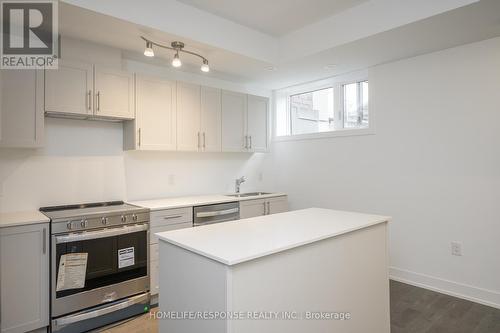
{"points": [[153, 239], [171, 216]]}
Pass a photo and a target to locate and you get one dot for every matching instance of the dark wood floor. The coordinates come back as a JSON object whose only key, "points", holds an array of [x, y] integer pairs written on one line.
{"points": [[417, 310]]}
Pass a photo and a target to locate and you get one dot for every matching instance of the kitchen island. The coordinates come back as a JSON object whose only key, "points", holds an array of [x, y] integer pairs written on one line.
{"points": [[312, 270]]}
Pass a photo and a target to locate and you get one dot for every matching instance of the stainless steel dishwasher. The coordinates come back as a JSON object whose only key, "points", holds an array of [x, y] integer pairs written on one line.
{"points": [[216, 213]]}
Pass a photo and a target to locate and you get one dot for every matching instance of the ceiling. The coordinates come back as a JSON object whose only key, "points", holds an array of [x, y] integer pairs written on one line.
{"points": [[274, 17], [474, 22]]}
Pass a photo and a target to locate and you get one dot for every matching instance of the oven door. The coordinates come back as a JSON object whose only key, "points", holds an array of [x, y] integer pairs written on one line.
{"points": [[116, 267]]}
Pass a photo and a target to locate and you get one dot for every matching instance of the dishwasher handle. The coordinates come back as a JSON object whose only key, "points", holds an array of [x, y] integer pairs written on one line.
{"points": [[217, 212]]}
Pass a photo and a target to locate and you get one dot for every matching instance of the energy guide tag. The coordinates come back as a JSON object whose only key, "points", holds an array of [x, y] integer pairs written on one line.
{"points": [[126, 257], [71, 272]]}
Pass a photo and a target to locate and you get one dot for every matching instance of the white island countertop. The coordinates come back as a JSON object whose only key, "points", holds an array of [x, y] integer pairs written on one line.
{"points": [[199, 200], [22, 218], [235, 242]]}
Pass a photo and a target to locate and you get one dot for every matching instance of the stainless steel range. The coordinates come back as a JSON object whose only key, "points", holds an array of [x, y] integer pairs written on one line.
{"points": [[99, 264]]}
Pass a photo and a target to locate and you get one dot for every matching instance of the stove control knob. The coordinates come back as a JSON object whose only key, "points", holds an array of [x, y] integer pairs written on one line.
{"points": [[69, 226], [104, 220], [134, 217], [84, 223], [124, 218]]}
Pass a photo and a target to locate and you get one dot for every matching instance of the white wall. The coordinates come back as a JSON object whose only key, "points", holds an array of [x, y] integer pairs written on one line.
{"points": [[433, 164], [83, 161]]}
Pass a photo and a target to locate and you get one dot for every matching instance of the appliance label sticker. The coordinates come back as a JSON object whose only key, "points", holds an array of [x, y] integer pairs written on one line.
{"points": [[71, 273], [126, 257]]}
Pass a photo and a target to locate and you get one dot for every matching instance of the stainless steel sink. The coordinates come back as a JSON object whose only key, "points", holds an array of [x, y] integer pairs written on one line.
{"points": [[249, 194]]}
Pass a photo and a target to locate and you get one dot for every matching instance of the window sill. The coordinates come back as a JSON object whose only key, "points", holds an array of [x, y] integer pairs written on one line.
{"points": [[325, 135]]}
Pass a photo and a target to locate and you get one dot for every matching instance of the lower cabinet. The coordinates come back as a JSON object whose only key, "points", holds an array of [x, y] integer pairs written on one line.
{"points": [[164, 220], [260, 207], [24, 278], [277, 205]]}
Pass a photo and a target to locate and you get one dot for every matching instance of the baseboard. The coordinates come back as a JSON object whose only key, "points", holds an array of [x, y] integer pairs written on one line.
{"points": [[471, 293]]}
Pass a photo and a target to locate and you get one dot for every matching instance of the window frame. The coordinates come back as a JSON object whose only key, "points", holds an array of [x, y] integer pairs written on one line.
{"points": [[337, 84]]}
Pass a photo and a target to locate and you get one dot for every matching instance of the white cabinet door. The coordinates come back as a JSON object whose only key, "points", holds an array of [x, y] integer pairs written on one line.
{"points": [[114, 94], [257, 123], [234, 114], [165, 220], [211, 119], [277, 205], [24, 277], [69, 88], [21, 108], [155, 114], [154, 287], [154, 270], [252, 208], [188, 117]]}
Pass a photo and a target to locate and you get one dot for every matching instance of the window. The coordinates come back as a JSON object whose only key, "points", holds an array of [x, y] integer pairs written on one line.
{"points": [[355, 104], [312, 112], [332, 107]]}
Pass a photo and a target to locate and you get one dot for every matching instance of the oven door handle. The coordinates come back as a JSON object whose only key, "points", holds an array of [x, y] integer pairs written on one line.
{"points": [[71, 319], [86, 235], [218, 212]]}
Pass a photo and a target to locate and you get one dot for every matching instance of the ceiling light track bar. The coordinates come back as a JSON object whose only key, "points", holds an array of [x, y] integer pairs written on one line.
{"points": [[175, 46]]}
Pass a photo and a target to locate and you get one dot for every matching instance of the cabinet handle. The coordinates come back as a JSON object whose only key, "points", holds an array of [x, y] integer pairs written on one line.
{"points": [[204, 141], [98, 100], [268, 208], [172, 217], [44, 240], [250, 141], [139, 137], [89, 100], [199, 140]]}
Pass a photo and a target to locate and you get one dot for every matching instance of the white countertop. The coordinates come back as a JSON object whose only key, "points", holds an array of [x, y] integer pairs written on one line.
{"points": [[22, 218], [180, 202], [235, 242]]}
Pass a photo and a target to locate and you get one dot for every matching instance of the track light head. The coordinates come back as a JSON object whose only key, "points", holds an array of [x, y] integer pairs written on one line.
{"points": [[148, 52], [205, 68], [176, 62]]}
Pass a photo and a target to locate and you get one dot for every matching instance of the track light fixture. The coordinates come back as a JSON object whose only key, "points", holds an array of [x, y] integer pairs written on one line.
{"points": [[177, 47]]}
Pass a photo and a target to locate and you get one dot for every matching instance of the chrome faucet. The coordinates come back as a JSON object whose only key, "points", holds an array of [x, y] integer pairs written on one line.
{"points": [[238, 183]]}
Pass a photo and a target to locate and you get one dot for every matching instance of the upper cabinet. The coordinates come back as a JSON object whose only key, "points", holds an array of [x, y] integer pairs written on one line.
{"points": [[198, 118], [160, 114], [114, 93], [69, 89], [155, 124], [21, 108], [234, 118], [188, 117], [244, 122], [257, 123], [211, 120], [79, 89]]}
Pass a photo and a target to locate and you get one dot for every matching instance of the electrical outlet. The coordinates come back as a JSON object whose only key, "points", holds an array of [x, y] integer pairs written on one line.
{"points": [[171, 180], [261, 176], [456, 248]]}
